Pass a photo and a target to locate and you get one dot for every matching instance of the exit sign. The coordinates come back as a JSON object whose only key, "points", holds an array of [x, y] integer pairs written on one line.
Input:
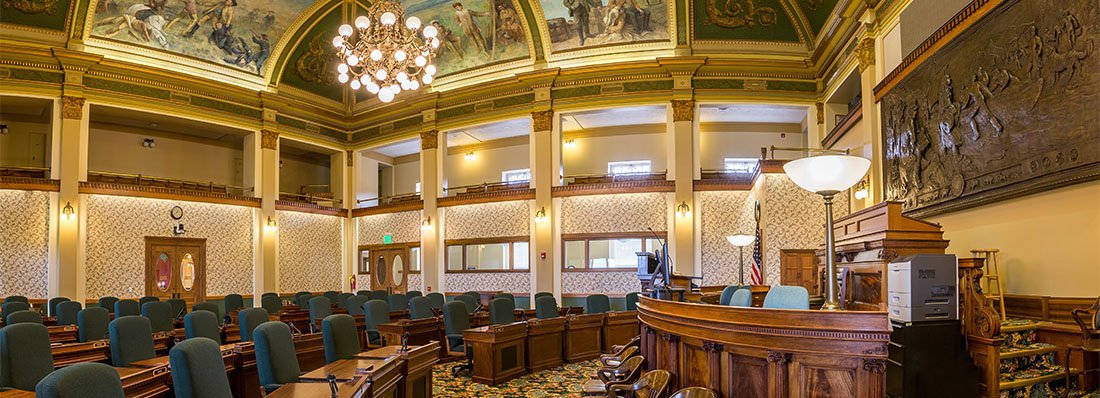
{"points": [[387, 238]]}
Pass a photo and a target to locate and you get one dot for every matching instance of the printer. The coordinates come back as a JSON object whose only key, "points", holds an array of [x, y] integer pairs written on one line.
{"points": [[923, 287]]}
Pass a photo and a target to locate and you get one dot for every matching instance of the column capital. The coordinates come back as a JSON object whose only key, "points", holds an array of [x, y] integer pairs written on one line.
{"points": [[429, 139], [350, 158], [72, 107], [269, 139], [865, 53], [820, 112], [683, 110], [542, 120]]}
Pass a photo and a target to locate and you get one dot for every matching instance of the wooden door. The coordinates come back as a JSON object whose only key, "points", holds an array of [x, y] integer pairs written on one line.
{"points": [[798, 268], [175, 268], [389, 269]]}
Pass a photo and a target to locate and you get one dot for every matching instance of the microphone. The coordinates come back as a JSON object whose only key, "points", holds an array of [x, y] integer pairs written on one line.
{"points": [[332, 384], [182, 310], [655, 236], [294, 328]]}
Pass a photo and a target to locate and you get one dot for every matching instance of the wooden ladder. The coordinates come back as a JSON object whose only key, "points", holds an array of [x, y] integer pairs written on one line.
{"points": [[992, 273]]}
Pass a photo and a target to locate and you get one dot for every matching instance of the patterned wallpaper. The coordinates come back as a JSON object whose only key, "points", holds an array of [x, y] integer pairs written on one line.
{"points": [[511, 282], [600, 282], [793, 218], [117, 227], [415, 282], [404, 226], [25, 217], [488, 220], [310, 248], [725, 213], [631, 212]]}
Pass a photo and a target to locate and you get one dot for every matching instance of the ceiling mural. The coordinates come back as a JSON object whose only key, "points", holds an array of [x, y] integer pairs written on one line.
{"points": [[817, 12], [741, 20], [473, 33], [312, 64], [574, 24], [47, 14], [234, 33]]}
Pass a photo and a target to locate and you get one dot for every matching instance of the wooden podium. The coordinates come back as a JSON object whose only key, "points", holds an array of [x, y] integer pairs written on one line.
{"points": [[583, 335], [416, 369], [868, 240], [544, 343], [619, 327], [421, 331], [498, 352]]}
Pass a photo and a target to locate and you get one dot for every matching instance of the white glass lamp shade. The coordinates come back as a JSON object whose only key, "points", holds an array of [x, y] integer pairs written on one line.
{"points": [[345, 30], [388, 18], [338, 41], [827, 173], [741, 240], [413, 23], [362, 22], [430, 31]]}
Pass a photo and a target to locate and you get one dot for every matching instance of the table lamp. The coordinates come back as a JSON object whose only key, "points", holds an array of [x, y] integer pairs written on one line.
{"points": [[741, 240]]}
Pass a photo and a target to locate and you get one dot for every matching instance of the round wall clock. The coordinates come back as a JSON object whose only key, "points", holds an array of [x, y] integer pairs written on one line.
{"points": [[177, 213]]}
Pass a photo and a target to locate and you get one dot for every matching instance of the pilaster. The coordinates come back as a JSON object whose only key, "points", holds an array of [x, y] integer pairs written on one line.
{"points": [[545, 158], [70, 166], [683, 137], [266, 186], [433, 146], [866, 54]]}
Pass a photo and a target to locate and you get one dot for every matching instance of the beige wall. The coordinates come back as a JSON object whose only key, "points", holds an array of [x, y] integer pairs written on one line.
{"points": [[486, 166], [26, 144], [716, 146], [405, 177], [116, 151], [297, 172], [1049, 242], [591, 154]]}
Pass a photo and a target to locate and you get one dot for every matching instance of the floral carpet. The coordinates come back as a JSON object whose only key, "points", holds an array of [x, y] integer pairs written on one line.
{"points": [[562, 381]]}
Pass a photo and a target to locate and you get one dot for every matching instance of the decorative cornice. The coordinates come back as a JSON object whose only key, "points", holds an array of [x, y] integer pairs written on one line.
{"points": [[269, 139], [429, 139], [72, 107], [386, 209], [542, 120], [865, 53], [683, 110], [30, 184], [740, 183]]}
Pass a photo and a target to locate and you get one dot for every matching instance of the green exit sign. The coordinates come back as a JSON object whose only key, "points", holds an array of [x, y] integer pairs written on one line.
{"points": [[387, 238]]}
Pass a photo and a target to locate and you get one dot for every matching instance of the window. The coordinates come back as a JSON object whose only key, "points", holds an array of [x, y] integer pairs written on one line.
{"points": [[418, 187], [520, 255], [609, 252], [740, 165], [629, 167], [516, 175], [502, 255], [364, 261], [414, 259]]}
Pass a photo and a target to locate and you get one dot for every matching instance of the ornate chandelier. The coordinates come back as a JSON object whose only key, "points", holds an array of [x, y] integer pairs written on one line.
{"points": [[388, 54]]}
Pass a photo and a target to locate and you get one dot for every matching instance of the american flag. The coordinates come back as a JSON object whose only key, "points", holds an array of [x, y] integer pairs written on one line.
{"points": [[756, 276]]}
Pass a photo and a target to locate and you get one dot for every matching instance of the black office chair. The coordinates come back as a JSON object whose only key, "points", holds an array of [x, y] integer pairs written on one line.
{"points": [[456, 320]]}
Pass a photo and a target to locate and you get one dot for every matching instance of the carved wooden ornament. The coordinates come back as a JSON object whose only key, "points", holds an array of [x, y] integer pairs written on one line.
{"points": [[865, 53]]}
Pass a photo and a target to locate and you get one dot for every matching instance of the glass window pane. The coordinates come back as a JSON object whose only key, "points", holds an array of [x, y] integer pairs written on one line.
{"points": [[614, 253], [364, 261], [516, 175], [629, 167], [454, 258], [414, 259], [487, 256], [574, 254], [652, 244], [521, 257]]}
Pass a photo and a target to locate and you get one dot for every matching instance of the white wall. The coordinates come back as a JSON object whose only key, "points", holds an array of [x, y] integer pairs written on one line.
{"points": [[121, 152], [486, 165], [405, 177], [366, 183], [716, 146], [591, 154], [922, 18]]}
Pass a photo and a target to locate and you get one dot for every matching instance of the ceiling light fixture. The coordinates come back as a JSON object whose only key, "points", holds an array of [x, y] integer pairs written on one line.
{"points": [[470, 155], [388, 54]]}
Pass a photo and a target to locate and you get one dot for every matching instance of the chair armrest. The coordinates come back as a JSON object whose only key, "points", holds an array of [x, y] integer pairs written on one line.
{"points": [[627, 390], [611, 361], [1077, 317], [606, 375]]}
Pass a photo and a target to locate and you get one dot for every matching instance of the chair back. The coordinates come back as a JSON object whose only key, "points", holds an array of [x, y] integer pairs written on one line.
{"points": [[233, 302], [198, 370], [414, 294], [340, 337], [375, 312], [597, 304], [742, 298], [24, 316], [127, 308], [249, 320], [695, 392], [420, 308], [438, 299], [14, 306], [208, 306], [147, 299], [159, 314], [131, 340], [541, 294], [546, 307], [91, 324], [302, 300], [653, 384], [25, 356], [469, 302], [66, 312], [508, 296], [108, 303], [273, 304], [52, 305], [379, 295], [632, 301], [787, 297], [319, 308], [342, 300], [87, 379], [355, 304], [397, 302], [727, 293], [276, 360], [501, 311], [21, 299], [331, 295], [202, 324], [475, 295], [455, 320], [179, 307], [363, 293], [269, 294]]}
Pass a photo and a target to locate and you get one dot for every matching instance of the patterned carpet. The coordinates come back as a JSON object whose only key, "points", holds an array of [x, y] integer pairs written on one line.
{"points": [[563, 381]]}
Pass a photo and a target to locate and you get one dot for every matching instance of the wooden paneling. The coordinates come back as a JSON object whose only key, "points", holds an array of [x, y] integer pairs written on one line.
{"points": [[1045, 308], [798, 268]]}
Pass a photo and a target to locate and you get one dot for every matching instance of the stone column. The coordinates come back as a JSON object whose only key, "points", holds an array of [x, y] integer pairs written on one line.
{"points": [[545, 146], [264, 150], [342, 184], [682, 136], [70, 165], [866, 54], [432, 250]]}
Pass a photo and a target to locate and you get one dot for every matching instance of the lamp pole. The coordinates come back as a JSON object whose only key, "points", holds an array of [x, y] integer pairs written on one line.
{"points": [[741, 261], [831, 301]]}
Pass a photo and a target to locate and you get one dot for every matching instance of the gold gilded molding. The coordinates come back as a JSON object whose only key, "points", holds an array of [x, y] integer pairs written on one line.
{"points": [[865, 53], [542, 120], [820, 112], [48, 7], [350, 156], [72, 107], [429, 139], [683, 110], [269, 139]]}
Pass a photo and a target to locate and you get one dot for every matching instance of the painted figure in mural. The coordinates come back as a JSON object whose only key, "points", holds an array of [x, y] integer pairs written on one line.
{"points": [[190, 10], [140, 22], [635, 14], [222, 11], [448, 41], [578, 9], [264, 51], [510, 27], [465, 20], [269, 20]]}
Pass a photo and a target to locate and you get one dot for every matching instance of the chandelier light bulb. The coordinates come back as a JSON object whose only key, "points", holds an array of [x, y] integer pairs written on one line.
{"points": [[385, 95], [435, 42], [430, 69], [388, 18], [342, 68], [353, 60], [364, 79], [362, 22], [400, 55], [413, 84], [380, 74], [355, 85], [343, 78], [345, 30], [427, 79], [420, 61], [372, 87], [402, 77], [413, 23], [338, 41], [395, 88], [376, 55], [430, 31]]}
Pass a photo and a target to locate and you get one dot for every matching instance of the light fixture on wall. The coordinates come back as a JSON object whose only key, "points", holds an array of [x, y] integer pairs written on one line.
{"points": [[683, 210], [3, 129], [148, 143], [470, 155], [828, 175], [540, 215], [271, 224], [861, 189], [570, 143], [426, 225], [68, 213], [741, 240]]}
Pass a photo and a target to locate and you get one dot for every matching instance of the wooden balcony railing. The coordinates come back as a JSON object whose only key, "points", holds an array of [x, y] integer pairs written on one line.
{"points": [[165, 182], [578, 179]]}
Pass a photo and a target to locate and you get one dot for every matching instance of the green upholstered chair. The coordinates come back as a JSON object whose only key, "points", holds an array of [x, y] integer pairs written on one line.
{"points": [[340, 337], [355, 304], [108, 303], [787, 297], [88, 379], [12, 299], [541, 294], [25, 356], [179, 307], [208, 306], [249, 319], [455, 321], [131, 340], [160, 316], [332, 295], [198, 370], [420, 308], [14, 306], [319, 308], [202, 324], [475, 295], [546, 307], [727, 292], [273, 304], [52, 305], [397, 302], [469, 302], [147, 299], [276, 360], [597, 304], [269, 294], [24, 316], [743, 298], [127, 308], [438, 299], [91, 324], [342, 300], [233, 302], [379, 295], [375, 312], [302, 299], [632, 301], [362, 293], [507, 296], [414, 294], [501, 311], [66, 312]]}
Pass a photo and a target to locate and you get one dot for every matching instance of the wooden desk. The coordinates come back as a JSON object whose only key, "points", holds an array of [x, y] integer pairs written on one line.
{"points": [[583, 337], [145, 382], [416, 368], [245, 382], [381, 376], [619, 327], [310, 349], [302, 390], [73, 353], [421, 331], [63, 334], [17, 394], [150, 363], [545, 338], [297, 317], [498, 352], [344, 369]]}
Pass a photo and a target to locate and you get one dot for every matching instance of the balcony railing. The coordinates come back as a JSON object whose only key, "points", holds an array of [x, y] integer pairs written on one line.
{"points": [[487, 187], [25, 172], [578, 179], [165, 182], [388, 200]]}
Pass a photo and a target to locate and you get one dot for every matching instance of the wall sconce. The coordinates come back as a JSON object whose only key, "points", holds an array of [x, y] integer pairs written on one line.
{"points": [[3, 129], [68, 213], [861, 189], [570, 143], [540, 216], [271, 224], [426, 225], [470, 155], [683, 210], [148, 143]]}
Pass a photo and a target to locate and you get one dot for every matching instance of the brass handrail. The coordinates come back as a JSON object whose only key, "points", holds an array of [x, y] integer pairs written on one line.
{"points": [[774, 148]]}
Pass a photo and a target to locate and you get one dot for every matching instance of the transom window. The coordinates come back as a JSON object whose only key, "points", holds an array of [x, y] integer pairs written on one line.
{"points": [[740, 165], [629, 167], [503, 254], [516, 175], [606, 251]]}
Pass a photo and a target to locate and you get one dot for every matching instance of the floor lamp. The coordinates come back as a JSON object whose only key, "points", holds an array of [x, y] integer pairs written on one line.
{"points": [[828, 175], [741, 240]]}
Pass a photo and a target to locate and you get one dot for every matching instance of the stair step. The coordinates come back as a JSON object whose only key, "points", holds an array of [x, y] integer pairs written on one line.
{"points": [[1018, 325], [1029, 377], [1032, 349]]}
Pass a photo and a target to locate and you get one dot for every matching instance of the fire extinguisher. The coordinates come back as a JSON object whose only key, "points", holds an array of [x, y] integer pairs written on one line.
{"points": [[352, 278]]}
